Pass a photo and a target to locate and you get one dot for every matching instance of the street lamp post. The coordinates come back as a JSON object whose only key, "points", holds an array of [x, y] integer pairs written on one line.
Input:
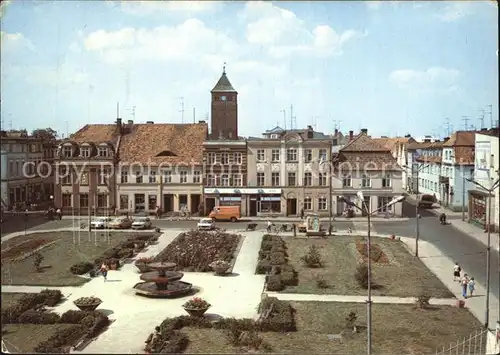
{"points": [[364, 207], [488, 248], [417, 215]]}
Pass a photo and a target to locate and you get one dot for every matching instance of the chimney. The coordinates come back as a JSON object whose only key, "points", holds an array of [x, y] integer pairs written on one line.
{"points": [[408, 136], [445, 139], [130, 122], [364, 130], [351, 135], [118, 121], [201, 122], [149, 122], [427, 140], [336, 131], [484, 129]]}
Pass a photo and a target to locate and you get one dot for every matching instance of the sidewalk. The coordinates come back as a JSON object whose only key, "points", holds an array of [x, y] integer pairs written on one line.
{"points": [[455, 219]]}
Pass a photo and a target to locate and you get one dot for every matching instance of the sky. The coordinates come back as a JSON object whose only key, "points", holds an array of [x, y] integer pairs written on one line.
{"points": [[391, 67]]}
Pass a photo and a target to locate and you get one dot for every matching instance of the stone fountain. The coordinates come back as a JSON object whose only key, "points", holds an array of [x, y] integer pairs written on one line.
{"points": [[162, 282]]}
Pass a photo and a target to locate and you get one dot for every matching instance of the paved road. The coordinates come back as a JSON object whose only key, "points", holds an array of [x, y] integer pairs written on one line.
{"points": [[16, 223], [467, 251]]}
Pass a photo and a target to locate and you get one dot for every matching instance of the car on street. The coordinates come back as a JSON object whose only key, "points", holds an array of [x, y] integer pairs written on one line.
{"points": [[141, 223], [100, 223], [426, 201], [120, 223], [206, 224]]}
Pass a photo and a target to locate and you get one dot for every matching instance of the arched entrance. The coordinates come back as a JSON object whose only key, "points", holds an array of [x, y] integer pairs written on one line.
{"points": [[291, 204]]}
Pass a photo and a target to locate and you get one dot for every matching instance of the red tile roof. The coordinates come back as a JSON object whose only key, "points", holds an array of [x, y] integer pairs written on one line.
{"points": [[363, 143], [461, 138], [96, 133], [159, 143]]}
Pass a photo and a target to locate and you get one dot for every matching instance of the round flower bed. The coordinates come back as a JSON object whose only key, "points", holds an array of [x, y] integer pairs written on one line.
{"points": [[196, 307], [87, 303]]}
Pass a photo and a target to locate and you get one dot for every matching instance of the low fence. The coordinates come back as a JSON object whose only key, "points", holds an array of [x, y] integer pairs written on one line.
{"points": [[474, 344]]}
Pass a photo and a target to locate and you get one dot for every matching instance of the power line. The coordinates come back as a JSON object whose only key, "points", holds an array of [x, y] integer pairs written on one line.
{"points": [[466, 120]]}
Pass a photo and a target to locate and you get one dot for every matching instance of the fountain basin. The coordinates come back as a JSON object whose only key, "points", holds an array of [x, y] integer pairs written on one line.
{"points": [[171, 289], [152, 276]]}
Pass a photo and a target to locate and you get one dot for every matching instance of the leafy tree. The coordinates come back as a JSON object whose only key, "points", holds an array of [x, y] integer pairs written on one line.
{"points": [[47, 134]]}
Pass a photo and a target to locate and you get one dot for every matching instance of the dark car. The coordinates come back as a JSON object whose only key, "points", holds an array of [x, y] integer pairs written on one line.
{"points": [[426, 201]]}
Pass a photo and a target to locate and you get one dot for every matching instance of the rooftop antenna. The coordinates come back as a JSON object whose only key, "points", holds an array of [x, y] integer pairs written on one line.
{"points": [[284, 118], [491, 115], [481, 119], [293, 119], [182, 108], [117, 110], [194, 114], [466, 120], [448, 126], [67, 130], [315, 126], [132, 112]]}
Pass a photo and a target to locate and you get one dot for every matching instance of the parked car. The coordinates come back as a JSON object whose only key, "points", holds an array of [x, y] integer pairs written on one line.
{"points": [[206, 224], [141, 223], [120, 223], [228, 213], [100, 222], [426, 201]]}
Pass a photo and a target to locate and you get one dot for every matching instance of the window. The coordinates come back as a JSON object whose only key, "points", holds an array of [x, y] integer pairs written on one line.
{"points": [[322, 179], [291, 154], [84, 200], [307, 179], [211, 180], [275, 179], [237, 180], [307, 203], [322, 155], [322, 204], [261, 155], [292, 177], [102, 200], [67, 152], [275, 155], [238, 158], [124, 176], [308, 155], [85, 152], [152, 177], [138, 177], [11, 165], [382, 204], [167, 177], [183, 177], [66, 200], [102, 151], [84, 179], [123, 202], [196, 177], [366, 181], [225, 180], [386, 181], [211, 158], [224, 158], [152, 202], [260, 179], [346, 181], [65, 175]]}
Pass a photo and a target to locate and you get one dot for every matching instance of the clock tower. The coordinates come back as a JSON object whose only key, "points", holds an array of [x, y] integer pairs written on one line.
{"points": [[224, 115]]}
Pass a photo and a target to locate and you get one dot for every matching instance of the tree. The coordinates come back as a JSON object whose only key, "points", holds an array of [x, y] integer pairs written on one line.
{"points": [[47, 134]]}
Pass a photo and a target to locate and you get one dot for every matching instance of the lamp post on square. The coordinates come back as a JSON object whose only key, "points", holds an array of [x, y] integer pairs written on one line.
{"points": [[363, 208]]}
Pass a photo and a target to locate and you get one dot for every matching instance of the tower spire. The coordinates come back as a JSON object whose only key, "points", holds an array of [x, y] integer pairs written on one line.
{"points": [[224, 69]]}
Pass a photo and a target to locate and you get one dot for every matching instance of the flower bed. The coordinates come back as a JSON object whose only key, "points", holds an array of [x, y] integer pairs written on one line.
{"points": [[376, 253], [276, 316], [14, 313], [25, 247], [273, 261], [196, 250]]}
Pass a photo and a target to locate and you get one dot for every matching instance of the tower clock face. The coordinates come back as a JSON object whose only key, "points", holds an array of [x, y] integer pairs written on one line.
{"points": [[223, 98]]}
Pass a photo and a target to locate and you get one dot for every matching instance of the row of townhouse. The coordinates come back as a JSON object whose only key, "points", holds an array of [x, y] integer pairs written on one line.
{"points": [[134, 168], [444, 169], [26, 169]]}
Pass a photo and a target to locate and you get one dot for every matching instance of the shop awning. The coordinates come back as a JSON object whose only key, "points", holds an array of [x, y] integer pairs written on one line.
{"points": [[247, 191], [480, 192]]}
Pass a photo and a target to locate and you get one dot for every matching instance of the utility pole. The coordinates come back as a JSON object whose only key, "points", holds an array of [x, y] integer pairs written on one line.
{"points": [[284, 118], [491, 115], [117, 110], [466, 120]]}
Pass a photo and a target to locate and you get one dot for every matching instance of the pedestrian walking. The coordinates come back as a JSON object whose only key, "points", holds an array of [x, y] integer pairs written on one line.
{"points": [[302, 213], [456, 272], [465, 283], [104, 271], [472, 286]]}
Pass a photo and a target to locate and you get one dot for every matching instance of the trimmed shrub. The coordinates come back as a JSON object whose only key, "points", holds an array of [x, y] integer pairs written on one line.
{"points": [[274, 283], [38, 317], [280, 318], [52, 297], [361, 276], [277, 258], [263, 267], [54, 344], [313, 257], [126, 253], [81, 268]]}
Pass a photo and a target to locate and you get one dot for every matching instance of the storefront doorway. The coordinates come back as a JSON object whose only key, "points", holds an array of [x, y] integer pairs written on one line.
{"points": [[195, 203], [168, 203], [269, 204], [253, 206], [139, 203], [291, 207]]}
